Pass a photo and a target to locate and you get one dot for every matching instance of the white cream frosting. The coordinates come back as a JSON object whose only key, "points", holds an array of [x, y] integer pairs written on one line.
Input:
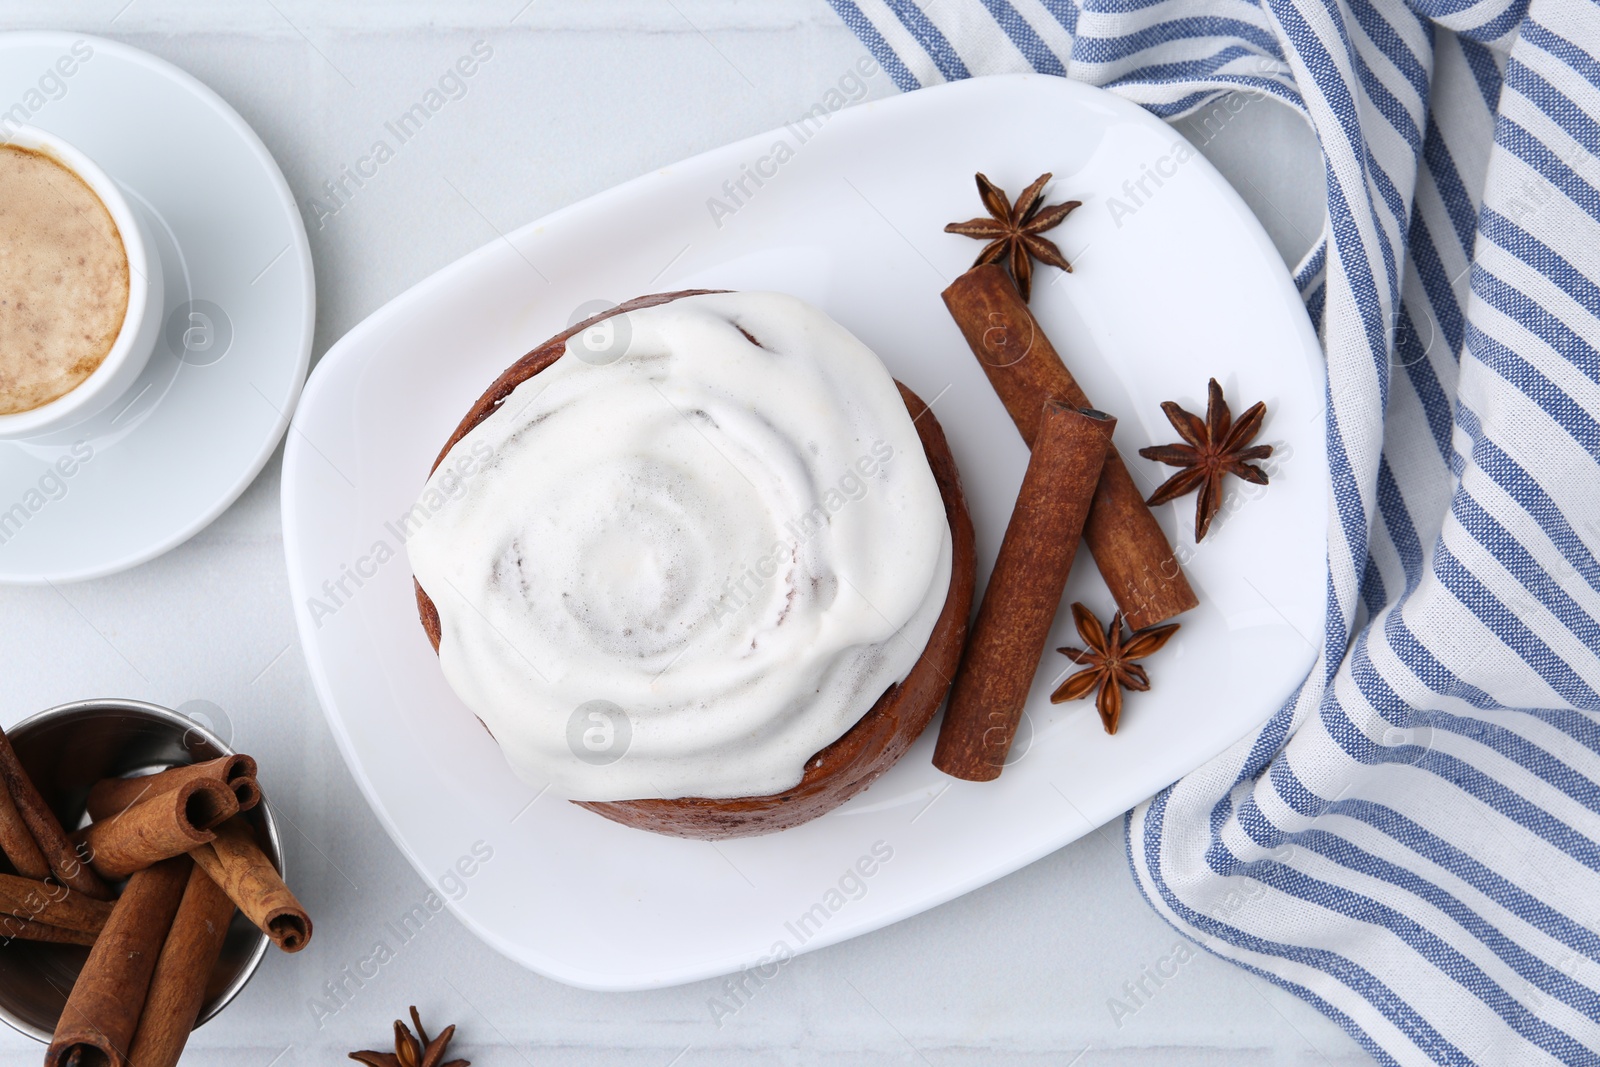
{"points": [[688, 555]]}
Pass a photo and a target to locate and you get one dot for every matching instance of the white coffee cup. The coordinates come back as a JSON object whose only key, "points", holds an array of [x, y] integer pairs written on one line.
{"points": [[141, 325]]}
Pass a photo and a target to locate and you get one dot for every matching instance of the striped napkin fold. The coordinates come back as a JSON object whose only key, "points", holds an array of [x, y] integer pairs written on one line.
{"points": [[1410, 843]]}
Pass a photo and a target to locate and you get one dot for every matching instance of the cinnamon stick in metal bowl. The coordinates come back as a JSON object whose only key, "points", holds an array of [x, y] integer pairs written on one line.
{"points": [[17, 841], [103, 1009], [237, 772], [178, 984], [158, 827], [30, 901], [41, 822], [246, 874]]}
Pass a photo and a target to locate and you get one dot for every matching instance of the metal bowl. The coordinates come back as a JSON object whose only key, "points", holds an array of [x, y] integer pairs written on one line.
{"points": [[66, 750]]}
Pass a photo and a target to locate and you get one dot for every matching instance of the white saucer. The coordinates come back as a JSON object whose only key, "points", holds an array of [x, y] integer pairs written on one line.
{"points": [[199, 424], [1185, 286]]}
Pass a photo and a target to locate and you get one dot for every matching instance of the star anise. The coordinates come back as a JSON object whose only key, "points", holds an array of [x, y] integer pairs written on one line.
{"points": [[1108, 663], [1013, 231], [413, 1051], [1216, 446]]}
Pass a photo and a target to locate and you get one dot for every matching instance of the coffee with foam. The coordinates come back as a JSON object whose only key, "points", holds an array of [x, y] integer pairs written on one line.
{"points": [[63, 280]]}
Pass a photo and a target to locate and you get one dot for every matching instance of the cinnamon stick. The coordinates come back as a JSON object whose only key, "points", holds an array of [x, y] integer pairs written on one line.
{"points": [[237, 864], [178, 984], [46, 829], [1128, 545], [248, 791], [50, 903], [1024, 591], [102, 1011], [16, 840], [167, 824], [111, 795], [15, 929]]}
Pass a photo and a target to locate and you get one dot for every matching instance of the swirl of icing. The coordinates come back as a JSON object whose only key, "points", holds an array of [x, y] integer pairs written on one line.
{"points": [[685, 568]]}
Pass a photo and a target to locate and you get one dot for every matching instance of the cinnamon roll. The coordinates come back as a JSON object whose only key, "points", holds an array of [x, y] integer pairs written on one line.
{"points": [[699, 563]]}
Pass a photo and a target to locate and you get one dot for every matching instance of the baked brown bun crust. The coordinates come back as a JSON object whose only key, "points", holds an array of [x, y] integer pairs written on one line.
{"points": [[879, 738]]}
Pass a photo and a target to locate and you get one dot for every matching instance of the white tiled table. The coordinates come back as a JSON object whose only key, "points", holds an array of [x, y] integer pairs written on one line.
{"points": [[580, 96]]}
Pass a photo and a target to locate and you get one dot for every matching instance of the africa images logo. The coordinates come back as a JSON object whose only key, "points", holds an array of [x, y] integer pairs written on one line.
{"points": [[599, 732]]}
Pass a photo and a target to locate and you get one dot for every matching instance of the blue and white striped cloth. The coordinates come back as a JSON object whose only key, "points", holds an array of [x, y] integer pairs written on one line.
{"points": [[1412, 843]]}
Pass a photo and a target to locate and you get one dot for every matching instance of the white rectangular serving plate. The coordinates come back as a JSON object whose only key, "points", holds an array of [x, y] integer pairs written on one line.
{"points": [[1170, 287]]}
